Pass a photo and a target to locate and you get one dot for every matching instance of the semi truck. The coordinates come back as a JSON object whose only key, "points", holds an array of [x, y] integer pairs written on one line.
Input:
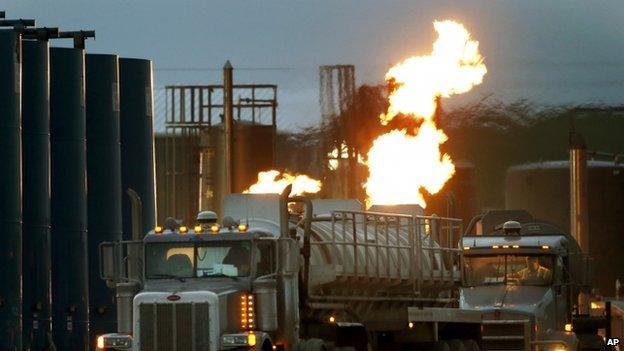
{"points": [[530, 280], [293, 273]]}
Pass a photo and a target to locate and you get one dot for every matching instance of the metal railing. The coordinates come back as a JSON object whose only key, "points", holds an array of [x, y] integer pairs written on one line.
{"points": [[396, 247]]}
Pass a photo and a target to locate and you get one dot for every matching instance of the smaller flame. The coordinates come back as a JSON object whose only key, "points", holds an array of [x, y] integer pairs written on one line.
{"points": [[274, 182]]}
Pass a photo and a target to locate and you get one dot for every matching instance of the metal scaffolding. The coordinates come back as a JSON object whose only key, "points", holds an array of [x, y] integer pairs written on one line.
{"points": [[188, 150]]}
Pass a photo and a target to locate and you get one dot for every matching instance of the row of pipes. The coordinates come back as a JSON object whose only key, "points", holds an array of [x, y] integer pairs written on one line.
{"points": [[75, 135]]}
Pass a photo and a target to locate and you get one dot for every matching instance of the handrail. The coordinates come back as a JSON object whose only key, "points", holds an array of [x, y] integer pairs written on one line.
{"points": [[404, 241]]}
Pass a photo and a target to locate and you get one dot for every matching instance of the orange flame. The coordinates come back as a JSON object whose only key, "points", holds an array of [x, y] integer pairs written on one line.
{"points": [[269, 183], [401, 165]]}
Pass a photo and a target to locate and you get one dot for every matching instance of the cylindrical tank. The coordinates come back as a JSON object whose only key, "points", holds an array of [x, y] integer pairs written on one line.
{"points": [[10, 192], [36, 195], [137, 140], [103, 181], [250, 158], [543, 190], [69, 199], [177, 175]]}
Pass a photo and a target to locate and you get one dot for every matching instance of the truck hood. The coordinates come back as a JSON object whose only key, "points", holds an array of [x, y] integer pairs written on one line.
{"points": [[523, 299], [218, 286]]}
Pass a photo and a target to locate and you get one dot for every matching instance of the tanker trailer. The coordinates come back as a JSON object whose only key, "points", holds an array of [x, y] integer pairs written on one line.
{"points": [[331, 277]]}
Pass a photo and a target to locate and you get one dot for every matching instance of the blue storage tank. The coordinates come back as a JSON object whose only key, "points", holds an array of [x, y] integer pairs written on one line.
{"points": [[69, 199], [137, 140], [36, 196], [10, 191], [103, 181]]}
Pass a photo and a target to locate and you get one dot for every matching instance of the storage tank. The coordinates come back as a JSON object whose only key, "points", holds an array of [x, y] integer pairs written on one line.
{"points": [[69, 199], [137, 140], [253, 152], [543, 190], [10, 191], [36, 195], [103, 181], [178, 175]]}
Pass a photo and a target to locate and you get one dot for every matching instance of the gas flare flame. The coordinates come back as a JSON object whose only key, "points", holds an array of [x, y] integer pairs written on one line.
{"points": [[274, 182], [402, 165]]}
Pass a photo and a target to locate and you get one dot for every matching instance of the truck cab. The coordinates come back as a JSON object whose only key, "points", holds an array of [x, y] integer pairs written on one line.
{"points": [[206, 287], [210, 276], [525, 278]]}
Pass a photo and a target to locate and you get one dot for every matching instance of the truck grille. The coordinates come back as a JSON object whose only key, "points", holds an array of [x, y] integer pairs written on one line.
{"points": [[174, 327], [506, 335]]}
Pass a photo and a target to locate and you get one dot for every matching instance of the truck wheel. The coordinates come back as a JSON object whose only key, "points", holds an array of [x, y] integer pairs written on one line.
{"points": [[456, 345], [470, 345]]}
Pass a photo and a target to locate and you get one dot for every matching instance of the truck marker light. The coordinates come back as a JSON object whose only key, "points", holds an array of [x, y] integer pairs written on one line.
{"points": [[183, 229], [242, 228], [214, 228], [158, 229], [251, 339], [100, 343], [568, 327], [247, 311], [198, 229]]}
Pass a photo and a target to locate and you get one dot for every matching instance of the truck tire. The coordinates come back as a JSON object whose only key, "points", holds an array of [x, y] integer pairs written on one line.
{"points": [[471, 345], [456, 345]]}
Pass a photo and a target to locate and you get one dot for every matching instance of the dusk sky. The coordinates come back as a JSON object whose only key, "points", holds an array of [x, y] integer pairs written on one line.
{"points": [[549, 52]]}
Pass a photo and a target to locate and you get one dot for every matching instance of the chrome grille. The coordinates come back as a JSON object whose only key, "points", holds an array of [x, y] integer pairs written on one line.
{"points": [[174, 327], [506, 335]]}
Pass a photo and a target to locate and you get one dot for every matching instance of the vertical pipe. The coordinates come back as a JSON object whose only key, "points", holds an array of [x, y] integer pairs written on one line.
{"points": [[137, 141], [10, 192], [36, 195], [69, 199], [228, 114], [104, 181], [579, 218]]}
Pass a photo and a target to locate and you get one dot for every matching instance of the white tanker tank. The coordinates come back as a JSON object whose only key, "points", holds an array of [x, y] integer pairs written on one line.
{"points": [[388, 254]]}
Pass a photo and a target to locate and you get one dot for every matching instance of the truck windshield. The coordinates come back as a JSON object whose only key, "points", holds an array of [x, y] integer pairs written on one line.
{"points": [[534, 270], [188, 260]]}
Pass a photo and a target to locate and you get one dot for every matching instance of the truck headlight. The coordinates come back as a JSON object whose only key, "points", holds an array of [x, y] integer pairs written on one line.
{"points": [[114, 341], [558, 347]]}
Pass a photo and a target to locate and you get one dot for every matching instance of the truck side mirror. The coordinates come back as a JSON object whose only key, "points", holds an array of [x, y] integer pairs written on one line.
{"points": [[288, 250], [109, 269]]}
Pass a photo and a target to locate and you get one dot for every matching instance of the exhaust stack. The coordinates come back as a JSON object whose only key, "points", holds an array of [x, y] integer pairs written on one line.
{"points": [[579, 217]]}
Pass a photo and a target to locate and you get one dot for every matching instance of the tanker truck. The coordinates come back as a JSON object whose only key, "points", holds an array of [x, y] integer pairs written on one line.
{"points": [[526, 276], [291, 273]]}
